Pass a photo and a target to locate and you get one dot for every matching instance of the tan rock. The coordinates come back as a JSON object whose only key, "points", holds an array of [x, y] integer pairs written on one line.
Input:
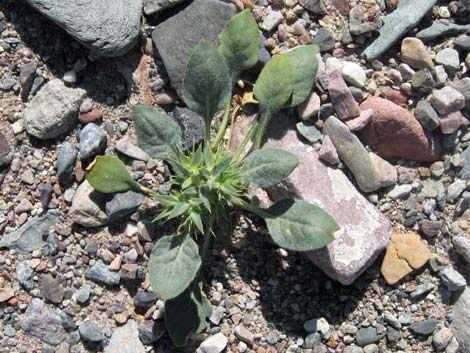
{"points": [[405, 253], [415, 54], [6, 294]]}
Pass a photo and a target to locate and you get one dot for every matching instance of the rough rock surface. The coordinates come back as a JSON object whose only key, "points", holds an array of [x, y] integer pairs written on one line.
{"points": [[125, 340], [53, 111], [364, 231], [108, 27], [177, 36], [394, 132], [461, 323]]}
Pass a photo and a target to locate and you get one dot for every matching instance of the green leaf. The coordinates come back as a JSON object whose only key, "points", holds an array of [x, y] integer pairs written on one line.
{"points": [[275, 83], [206, 85], [173, 265], [300, 226], [268, 166], [239, 43], [186, 314], [156, 131], [109, 175], [306, 67]]}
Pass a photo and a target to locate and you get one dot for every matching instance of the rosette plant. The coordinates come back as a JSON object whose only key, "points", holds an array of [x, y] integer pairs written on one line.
{"points": [[208, 181]]}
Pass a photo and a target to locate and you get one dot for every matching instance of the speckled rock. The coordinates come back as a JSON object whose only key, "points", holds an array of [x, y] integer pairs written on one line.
{"points": [[88, 207]]}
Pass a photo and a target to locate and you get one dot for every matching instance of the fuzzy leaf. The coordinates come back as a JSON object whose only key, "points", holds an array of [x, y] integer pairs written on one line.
{"points": [[275, 83], [300, 226], [306, 67], [109, 175], [206, 85], [239, 43], [186, 314], [268, 166], [156, 131], [173, 265]]}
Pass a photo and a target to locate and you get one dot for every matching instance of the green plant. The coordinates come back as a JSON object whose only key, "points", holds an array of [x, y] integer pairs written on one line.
{"points": [[208, 181]]}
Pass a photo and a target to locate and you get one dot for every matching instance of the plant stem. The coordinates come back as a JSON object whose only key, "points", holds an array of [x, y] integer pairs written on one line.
{"points": [[264, 120], [223, 126], [245, 141], [207, 238], [208, 131]]}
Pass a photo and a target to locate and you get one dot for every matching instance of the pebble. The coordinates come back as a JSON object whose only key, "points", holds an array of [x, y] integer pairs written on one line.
{"points": [[123, 204], [400, 192], [455, 190], [310, 107], [52, 290], [354, 74], [362, 121], [437, 169], [213, 344], [90, 333], [66, 157], [244, 335], [343, 101], [125, 339], [83, 294], [151, 331], [447, 100], [425, 327], [328, 151], [392, 320], [92, 141], [449, 58], [368, 335], [415, 54], [426, 115], [442, 338], [100, 273], [324, 39], [430, 228], [421, 290], [462, 247], [271, 21], [452, 279], [422, 82], [308, 131], [125, 146], [143, 300]]}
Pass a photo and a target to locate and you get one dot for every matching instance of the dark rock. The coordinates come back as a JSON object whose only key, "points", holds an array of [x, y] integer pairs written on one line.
{"points": [[83, 294], [27, 74], [438, 30], [143, 300], [52, 290], [308, 130], [463, 42], [151, 331], [368, 335], [123, 204], [90, 333], [422, 82], [156, 6], [341, 97], [100, 273], [324, 39], [192, 126], [464, 173], [5, 156], [425, 327], [318, 7], [452, 279], [66, 158], [426, 115], [430, 228], [46, 196], [177, 36], [92, 141]]}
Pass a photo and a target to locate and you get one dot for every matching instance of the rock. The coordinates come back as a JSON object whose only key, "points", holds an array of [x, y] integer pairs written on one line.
{"points": [[53, 110], [394, 132], [461, 323], [153, 7], [364, 18], [87, 207], [43, 323], [213, 344], [143, 300], [92, 141], [440, 75], [82, 295], [396, 24], [125, 146], [447, 100], [318, 7], [364, 230], [405, 253], [128, 272], [387, 174], [244, 335], [452, 279], [449, 58], [91, 116], [353, 154], [90, 333], [450, 123], [66, 158], [462, 247], [463, 86], [421, 290], [342, 6], [324, 39], [328, 151], [368, 335], [464, 173], [317, 325], [437, 169], [125, 339], [109, 28], [415, 54], [426, 115], [400, 192], [24, 274], [27, 74], [123, 204], [177, 36], [29, 236], [463, 42], [442, 338], [422, 82], [361, 122], [5, 151], [310, 107], [308, 131], [151, 331], [455, 190], [271, 21], [425, 327], [192, 126], [437, 30], [430, 228], [392, 320], [354, 74], [341, 97], [100, 273], [52, 290]]}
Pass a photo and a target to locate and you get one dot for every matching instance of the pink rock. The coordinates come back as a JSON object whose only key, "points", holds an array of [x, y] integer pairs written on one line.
{"points": [[328, 151], [310, 107], [450, 123], [447, 100], [343, 101], [364, 231], [394, 132], [361, 122]]}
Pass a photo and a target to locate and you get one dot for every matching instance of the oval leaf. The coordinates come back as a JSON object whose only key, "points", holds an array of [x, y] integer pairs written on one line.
{"points": [[173, 265], [156, 131], [206, 85], [109, 174], [275, 83], [268, 166], [239, 43], [306, 67], [300, 226], [186, 314]]}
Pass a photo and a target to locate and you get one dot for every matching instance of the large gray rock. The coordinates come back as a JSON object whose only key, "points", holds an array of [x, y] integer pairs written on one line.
{"points": [[53, 111], [177, 36], [461, 323], [125, 340], [42, 322], [364, 230], [29, 236], [88, 207], [108, 27]]}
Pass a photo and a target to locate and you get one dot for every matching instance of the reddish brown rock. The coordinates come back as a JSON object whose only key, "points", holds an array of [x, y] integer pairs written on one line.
{"points": [[342, 6], [91, 116], [394, 132], [343, 101]]}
